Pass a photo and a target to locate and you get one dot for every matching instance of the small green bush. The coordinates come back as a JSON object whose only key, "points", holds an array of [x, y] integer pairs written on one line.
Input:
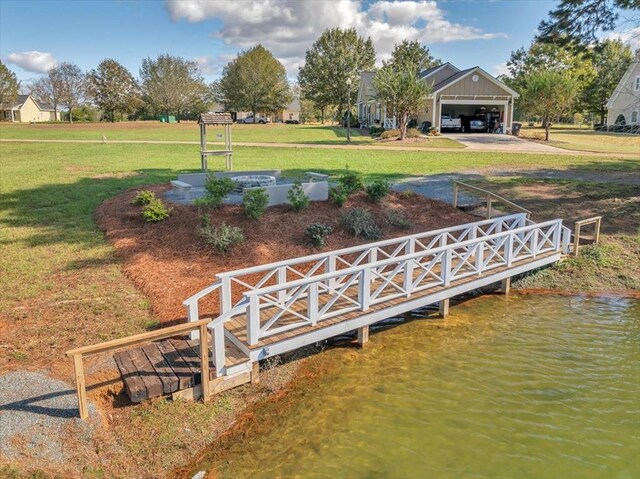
{"points": [[407, 194], [397, 220], [155, 211], [222, 238], [351, 182], [390, 134], [338, 195], [376, 130], [317, 234], [217, 189], [144, 197], [378, 190], [360, 222], [297, 197], [255, 202]]}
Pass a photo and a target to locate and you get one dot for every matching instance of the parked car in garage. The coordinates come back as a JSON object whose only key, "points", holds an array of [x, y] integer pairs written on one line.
{"points": [[471, 124], [251, 119], [448, 123]]}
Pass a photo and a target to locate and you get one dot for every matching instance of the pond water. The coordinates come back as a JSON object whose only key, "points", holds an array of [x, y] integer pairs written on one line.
{"points": [[506, 387]]}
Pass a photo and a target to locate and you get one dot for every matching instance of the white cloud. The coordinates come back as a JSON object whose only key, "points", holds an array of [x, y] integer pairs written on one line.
{"points": [[35, 61], [499, 69], [289, 27]]}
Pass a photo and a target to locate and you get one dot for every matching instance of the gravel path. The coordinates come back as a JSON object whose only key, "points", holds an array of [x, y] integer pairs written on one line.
{"points": [[37, 415]]}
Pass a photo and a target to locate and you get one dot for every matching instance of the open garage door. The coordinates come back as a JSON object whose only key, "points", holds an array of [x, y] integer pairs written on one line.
{"points": [[484, 116]]}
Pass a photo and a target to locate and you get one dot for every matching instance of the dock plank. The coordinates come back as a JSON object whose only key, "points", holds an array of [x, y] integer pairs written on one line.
{"points": [[146, 372], [136, 390], [178, 365], [170, 381]]}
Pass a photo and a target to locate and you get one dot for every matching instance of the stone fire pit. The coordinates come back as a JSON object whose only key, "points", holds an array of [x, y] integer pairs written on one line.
{"points": [[253, 181]]}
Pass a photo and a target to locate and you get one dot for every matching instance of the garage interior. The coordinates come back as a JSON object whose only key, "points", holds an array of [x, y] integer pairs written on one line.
{"points": [[487, 112]]}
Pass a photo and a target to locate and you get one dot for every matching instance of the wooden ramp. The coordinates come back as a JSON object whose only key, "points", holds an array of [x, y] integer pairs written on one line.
{"points": [[165, 367]]}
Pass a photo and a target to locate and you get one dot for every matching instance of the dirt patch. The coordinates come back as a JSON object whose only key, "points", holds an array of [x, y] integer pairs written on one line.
{"points": [[170, 262]]}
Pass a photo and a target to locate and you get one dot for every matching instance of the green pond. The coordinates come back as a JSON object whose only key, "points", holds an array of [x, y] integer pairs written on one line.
{"points": [[507, 387]]}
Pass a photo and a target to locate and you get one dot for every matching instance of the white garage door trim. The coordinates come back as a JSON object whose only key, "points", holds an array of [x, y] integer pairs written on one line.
{"points": [[505, 104]]}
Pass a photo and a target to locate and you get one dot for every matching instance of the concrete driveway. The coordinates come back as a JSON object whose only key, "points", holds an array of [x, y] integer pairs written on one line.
{"points": [[497, 142]]}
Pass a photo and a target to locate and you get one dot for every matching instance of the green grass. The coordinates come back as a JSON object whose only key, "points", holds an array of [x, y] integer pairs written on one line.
{"points": [[189, 131], [587, 140]]}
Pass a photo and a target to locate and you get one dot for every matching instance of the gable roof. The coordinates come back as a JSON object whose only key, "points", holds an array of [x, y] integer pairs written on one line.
{"points": [[464, 73], [20, 101], [366, 86], [623, 81], [294, 105], [430, 71]]}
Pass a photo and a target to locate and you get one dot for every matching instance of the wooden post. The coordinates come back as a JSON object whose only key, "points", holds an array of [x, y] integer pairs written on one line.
{"points": [[576, 239], [80, 386], [597, 232], [219, 350], [203, 147], [364, 290], [255, 373], [204, 362], [505, 286], [488, 207], [363, 335], [443, 308], [455, 194]]}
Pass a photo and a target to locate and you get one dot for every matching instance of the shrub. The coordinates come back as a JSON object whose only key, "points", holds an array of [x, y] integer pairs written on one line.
{"points": [[222, 238], [217, 190], [317, 234], [407, 194], [351, 182], [297, 197], [360, 222], [255, 202], [378, 190], [397, 220], [376, 130], [155, 211], [413, 133], [390, 134], [144, 197], [339, 195]]}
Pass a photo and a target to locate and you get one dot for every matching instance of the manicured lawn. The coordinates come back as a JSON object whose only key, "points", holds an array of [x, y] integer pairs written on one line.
{"points": [[587, 140], [189, 131]]}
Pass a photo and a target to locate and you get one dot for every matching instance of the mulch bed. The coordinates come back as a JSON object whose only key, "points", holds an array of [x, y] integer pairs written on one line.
{"points": [[169, 261]]}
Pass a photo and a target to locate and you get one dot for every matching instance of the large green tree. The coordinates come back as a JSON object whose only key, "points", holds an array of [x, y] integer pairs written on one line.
{"points": [[256, 81], [578, 22], [9, 86], [411, 56], [549, 94], [337, 55], [113, 89], [610, 59], [173, 85], [402, 92]]}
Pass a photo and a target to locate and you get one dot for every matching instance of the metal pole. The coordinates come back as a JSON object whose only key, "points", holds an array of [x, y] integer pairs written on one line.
{"points": [[348, 111]]}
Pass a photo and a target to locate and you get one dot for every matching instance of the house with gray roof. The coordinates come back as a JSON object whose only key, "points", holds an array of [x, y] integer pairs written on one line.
{"points": [[27, 110], [623, 108], [454, 92]]}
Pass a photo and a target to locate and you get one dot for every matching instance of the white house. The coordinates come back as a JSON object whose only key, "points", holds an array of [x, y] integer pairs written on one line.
{"points": [[453, 91], [623, 107], [27, 110]]}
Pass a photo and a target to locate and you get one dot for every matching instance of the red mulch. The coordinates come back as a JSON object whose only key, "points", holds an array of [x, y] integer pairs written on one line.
{"points": [[169, 261]]}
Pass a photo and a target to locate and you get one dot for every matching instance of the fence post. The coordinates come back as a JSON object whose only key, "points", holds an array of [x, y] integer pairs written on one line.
{"points": [[80, 386], [253, 319], [534, 241], [225, 294], [508, 251], [331, 268], [455, 194], [446, 267], [281, 279], [576, 239], [312, 303], [193, 315], [364, 289], [204, 362], [410, 248], [218, 349], [488, 207], [479, 257]]}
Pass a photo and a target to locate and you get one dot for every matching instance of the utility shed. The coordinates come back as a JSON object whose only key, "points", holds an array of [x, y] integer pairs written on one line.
{"points": [[216, 119]]}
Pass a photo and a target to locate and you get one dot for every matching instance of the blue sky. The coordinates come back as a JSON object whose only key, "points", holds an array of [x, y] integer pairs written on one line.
{"points": [[464, 32]]}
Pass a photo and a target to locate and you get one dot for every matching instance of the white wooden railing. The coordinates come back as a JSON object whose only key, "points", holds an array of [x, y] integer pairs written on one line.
{"points": [[270, 296]]}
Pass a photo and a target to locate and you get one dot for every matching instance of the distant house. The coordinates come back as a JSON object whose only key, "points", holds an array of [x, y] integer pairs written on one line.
{"points": [[454, 92], [290, 113], [27, 110], [623, 108]]}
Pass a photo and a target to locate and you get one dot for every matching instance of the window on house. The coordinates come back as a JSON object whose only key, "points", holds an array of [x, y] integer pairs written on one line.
{"points": [[634, 117], [290, 116], [637, 84]]}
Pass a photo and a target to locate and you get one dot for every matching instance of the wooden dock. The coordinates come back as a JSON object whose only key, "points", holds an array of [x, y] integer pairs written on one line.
{"points": [[279, 307]]}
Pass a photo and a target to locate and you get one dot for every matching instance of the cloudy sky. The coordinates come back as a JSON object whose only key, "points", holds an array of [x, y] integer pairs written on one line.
{"points": [[34, 35]]}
